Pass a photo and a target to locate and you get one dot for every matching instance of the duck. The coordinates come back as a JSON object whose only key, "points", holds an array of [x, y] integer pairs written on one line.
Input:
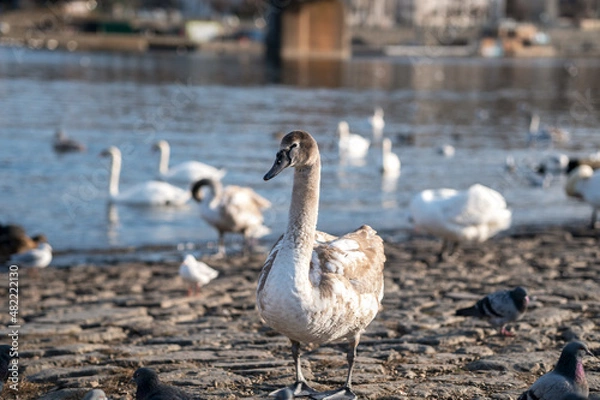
{"points": [[13, 240], [351, 145], [545, 135], [196, 273], [151, 193], [186, 172], [584, 184], [37, 258], [315, 287], [377, 123], [472, 215], [232, 208], [64, 144], [390, 163]]}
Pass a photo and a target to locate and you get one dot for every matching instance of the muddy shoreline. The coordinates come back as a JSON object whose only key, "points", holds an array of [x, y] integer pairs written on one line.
{"points": [[92, 326]]}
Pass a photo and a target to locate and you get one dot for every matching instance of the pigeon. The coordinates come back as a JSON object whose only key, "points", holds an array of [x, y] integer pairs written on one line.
{"points": [[150, 388], [499, 308], [95, 394], [5, 359], [566, 379]]}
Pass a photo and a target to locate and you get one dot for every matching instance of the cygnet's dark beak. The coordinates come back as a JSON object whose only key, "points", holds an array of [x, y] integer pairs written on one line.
{"points": [[282, 161]]}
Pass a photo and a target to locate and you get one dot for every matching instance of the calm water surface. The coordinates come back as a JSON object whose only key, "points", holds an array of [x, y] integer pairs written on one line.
{"points": [[226, 111]]}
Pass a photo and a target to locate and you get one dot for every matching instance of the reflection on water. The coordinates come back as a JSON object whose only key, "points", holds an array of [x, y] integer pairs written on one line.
{"points": [[226, 111]]}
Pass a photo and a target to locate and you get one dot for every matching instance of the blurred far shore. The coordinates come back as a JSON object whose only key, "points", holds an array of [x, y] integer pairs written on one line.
{"points": [[336, 28]]}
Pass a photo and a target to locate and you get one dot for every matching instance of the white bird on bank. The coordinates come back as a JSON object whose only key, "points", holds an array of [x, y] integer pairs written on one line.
{"points": [[390, 163], [234, 209], [351, 145], [315, 287], [151, 193], [40, 257], [186, 172], [471, 215], [196, 273], [377, 124], [583, 183]]}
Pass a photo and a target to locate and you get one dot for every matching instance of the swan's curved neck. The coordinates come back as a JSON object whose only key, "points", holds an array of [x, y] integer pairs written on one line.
{"points": [[304, 208], [216, 190], [115, 171], [163, 166]]}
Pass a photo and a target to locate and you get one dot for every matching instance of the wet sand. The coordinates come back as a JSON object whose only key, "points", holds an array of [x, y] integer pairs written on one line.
{"points": [[92, 326]]}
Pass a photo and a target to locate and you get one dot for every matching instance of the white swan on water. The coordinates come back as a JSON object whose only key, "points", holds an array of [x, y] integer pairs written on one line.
{"points": [[151, 193], [186, 172]]}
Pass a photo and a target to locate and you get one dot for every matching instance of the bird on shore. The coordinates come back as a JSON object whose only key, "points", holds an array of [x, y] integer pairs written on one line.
{"points": [[584, 184], [315, 287], [234, 209], [5, 360], [377, 124], [95, 394], [472, 215], [499, 308], [149, 387], [64, 144], [35, 259], [196, 273], [151, 193], [186, 172], [14, 240], [567, 377], [351, 145]]}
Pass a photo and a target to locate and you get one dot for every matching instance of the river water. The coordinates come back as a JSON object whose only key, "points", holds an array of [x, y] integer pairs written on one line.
{"points": [[227, 110]]}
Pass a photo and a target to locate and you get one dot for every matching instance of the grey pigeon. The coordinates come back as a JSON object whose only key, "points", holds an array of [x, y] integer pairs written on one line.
{"points": [[149, 387], [4, 362], [567, 377], [574, 396], [95, 394], [499, 308]]}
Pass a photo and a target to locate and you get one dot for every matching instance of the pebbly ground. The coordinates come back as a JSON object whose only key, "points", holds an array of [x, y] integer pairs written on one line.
{"points": [[92, 326]]}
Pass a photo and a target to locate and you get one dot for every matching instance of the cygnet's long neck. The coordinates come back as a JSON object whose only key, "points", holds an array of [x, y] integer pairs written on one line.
{"points": [[304, 208], [165, 151], [115, 171]]}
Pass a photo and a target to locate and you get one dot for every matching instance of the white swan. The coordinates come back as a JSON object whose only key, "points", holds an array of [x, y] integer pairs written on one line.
{"points": [[196, 273], [583, 183], [152, 193], [40, 257], [314, 287], [471, 215], [350, 144], [186, 172], [377, 123], [390, 163], [233, 209]]}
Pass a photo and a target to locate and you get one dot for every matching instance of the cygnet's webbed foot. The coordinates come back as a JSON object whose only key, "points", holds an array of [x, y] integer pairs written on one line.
{"points": [[298, 389], [344, 393]]}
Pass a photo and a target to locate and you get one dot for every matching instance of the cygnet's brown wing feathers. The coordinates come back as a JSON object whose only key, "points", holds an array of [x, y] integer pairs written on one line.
{"points": [[357, 256]]}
